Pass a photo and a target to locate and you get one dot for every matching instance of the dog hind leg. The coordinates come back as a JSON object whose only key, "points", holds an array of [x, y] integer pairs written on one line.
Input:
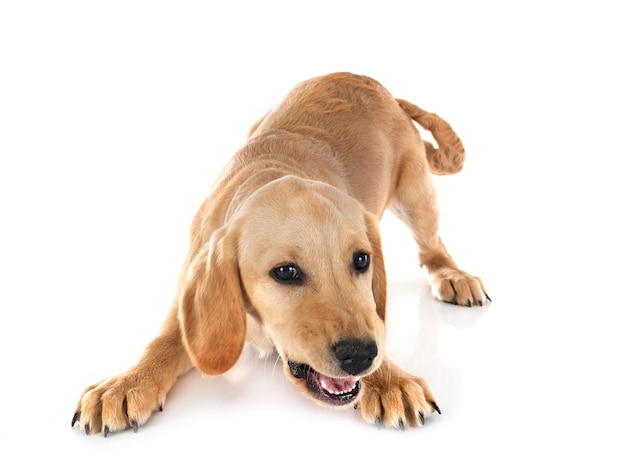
{"points": [[415, 203]]}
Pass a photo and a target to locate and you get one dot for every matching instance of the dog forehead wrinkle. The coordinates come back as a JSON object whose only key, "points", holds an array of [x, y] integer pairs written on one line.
{"points": [[304, 230], [292, 194]]}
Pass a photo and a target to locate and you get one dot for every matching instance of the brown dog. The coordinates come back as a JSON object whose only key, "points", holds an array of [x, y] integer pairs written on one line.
{"points": [[285, 253]]}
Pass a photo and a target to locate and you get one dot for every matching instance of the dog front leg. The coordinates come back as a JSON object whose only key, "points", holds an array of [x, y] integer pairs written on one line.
{"points": [[128, 399], [393, 398]]}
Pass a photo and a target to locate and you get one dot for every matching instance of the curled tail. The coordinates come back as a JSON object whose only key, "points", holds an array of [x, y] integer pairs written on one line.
{"points": [[448, 158]]}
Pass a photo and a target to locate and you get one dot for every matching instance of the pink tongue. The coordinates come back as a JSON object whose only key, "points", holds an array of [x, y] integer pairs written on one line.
{"points": [[338, 385]]}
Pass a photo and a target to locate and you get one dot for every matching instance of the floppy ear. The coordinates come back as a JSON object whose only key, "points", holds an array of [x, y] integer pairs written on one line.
{"points": [[211, 310], [379, 278]]}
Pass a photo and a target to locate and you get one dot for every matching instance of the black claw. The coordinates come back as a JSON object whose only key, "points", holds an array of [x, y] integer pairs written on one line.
{"points": [[469, 304], [401, 424], [106, 431], [160, 407], [134, 425], [421, 418], [487, 296], [378, 422], [87, 428], [436, 407], [75, 418]]}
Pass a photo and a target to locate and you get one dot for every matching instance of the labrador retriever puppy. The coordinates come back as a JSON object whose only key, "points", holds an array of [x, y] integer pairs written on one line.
{"points": [[285, 253]]}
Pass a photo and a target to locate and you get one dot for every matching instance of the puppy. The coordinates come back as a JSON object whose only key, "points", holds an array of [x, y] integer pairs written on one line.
{"points": [[285, 253]]}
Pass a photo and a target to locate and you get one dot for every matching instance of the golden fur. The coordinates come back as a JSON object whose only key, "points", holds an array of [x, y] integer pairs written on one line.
{"points": [[285, 253]]}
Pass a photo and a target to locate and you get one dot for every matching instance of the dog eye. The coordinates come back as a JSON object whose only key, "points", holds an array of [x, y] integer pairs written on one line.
{"points": [[361, 262], [286, 274]]}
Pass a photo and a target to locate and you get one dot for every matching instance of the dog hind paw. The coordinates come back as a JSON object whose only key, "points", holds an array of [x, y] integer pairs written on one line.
{"points": [[458, 287]]}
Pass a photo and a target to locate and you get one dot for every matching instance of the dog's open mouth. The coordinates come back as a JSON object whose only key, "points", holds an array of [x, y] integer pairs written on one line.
{"points": [[333, 391]]}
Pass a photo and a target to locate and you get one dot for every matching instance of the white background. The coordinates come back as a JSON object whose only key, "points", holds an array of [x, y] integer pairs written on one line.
{"points": [[115, 118]]}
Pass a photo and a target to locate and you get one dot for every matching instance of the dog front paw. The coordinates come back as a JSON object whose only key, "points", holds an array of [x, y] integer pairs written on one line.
{"points": [[393, 398], [457, 287], [117, 403]]}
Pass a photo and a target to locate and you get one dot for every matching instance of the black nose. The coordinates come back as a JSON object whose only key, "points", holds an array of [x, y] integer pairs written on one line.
{"points": [[354, 355]]}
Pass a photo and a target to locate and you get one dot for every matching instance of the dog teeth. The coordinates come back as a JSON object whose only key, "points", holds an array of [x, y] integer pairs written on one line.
{"points": [[331, 388]]}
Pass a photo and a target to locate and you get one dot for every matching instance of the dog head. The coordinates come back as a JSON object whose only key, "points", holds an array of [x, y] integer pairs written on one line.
{"points": [[304, 259]]}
